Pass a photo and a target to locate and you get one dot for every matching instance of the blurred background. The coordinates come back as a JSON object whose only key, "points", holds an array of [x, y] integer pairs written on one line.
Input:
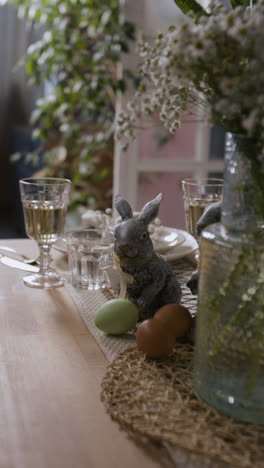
{"points": [[155, 162]]}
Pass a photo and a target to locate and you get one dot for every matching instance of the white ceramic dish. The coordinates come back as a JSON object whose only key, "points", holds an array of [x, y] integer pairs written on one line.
{"points": [[165, 238], [179, 251]]}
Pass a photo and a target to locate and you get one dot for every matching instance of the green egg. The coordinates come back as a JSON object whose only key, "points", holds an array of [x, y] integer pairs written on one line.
{"points": [[116, 316]]}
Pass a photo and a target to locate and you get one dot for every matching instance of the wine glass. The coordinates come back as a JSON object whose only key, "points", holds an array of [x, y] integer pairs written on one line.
{"points": [[45, 201], [197, 195]]}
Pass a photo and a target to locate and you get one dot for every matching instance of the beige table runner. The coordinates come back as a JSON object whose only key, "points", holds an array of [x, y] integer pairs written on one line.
{"points": [[87, 303]]}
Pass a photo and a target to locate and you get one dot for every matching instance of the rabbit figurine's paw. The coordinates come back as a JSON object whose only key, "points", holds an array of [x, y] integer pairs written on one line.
{"points": [[192, 283], [142, 303]]}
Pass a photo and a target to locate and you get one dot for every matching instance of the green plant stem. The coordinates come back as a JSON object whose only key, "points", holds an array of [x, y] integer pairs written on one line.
{"points": [[253, 295], [255, 354], [230, 327], [241, 266]]}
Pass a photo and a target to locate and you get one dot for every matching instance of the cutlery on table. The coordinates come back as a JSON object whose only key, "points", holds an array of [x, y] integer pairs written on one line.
{"points": [[12, 253], [21, 265]]}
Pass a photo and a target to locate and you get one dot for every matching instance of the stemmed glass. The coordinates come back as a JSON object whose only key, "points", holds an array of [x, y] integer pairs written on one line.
{"points": [[45, 201], [197, 195]]}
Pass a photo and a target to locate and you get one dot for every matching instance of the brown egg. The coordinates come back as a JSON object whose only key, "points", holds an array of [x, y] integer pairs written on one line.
{"points": [[175, 317], [154, 339]]}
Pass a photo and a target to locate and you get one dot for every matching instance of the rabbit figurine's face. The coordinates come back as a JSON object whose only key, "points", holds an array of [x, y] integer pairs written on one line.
{"points": [[132, 239], [131, 236]]}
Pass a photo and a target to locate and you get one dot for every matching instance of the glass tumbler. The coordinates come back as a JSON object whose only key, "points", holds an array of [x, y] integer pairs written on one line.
{"points": [[89, 255]]}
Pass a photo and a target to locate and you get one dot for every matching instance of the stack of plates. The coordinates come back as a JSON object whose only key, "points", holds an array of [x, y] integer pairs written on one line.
{"points": [[171, 243]]}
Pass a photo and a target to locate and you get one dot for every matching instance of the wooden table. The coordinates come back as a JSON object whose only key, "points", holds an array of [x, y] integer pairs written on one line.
{"points": [[51, 369]]}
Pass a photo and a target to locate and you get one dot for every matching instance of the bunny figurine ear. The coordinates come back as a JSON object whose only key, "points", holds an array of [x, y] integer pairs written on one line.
{"points": [[150, 210], [123, 208]]}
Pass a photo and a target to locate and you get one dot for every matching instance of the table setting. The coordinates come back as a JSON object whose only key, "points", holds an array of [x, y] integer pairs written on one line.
{"points": [[125, 342], [87, 267], [147, 386], [167, 240]]}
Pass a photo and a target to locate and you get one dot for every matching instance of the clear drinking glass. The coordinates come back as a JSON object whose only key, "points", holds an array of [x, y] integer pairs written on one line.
{"points": [[45, 201], [197, 195], [90, 256]]}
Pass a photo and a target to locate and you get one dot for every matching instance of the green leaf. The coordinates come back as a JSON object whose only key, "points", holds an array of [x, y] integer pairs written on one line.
{"points": [[129, 30], [236, 3], [124, 46], [120, 85], [188, 6], [29, 67]]}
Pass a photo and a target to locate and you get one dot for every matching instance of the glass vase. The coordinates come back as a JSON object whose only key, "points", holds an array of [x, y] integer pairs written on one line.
{"points": [[229, 343]]}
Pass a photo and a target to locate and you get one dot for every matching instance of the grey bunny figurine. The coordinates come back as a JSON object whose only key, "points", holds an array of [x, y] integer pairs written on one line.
{"points": [[151, 282]]}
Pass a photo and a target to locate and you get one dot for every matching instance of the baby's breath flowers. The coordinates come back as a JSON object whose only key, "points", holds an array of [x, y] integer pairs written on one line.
{"points": [[215, 64]]}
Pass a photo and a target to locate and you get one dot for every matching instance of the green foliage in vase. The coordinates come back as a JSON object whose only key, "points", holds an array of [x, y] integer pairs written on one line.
{"points": [[78, 55]]}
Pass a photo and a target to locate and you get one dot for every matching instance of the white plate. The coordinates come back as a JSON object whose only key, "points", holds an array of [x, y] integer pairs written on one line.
{"points": [[179, 251], [165, 238]]}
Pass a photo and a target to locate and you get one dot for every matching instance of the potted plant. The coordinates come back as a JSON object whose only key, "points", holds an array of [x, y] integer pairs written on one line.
{"points": [[78, 58]]}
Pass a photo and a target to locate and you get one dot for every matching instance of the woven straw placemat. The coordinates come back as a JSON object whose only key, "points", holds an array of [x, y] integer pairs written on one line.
{"points": [[157, 399]]}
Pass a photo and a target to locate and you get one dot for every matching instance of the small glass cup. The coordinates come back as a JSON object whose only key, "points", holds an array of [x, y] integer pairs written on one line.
{"points": [[197, 195], [89, 255]]}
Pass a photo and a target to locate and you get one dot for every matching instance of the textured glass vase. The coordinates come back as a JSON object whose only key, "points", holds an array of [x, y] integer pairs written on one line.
{"points": [[229, 345]]}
